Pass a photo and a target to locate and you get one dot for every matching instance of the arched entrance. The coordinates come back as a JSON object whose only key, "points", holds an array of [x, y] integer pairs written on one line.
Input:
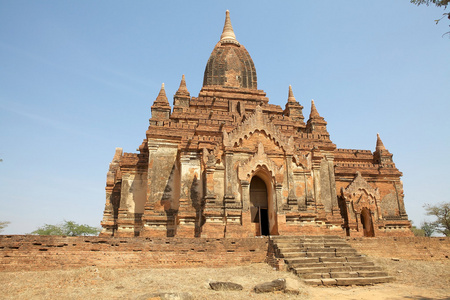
{"points": [[259, 206], [366, 221]]}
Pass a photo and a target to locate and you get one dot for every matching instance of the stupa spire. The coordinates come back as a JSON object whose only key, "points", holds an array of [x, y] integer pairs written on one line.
{"points": [[380, 145], [316, 123], [314, 113], [160, 108], [182, 90], [291, 97], [162, 100], [228, 32]]}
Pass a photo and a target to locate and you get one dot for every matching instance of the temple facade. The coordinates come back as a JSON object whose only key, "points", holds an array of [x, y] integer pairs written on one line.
{"points": [[230, 164]]}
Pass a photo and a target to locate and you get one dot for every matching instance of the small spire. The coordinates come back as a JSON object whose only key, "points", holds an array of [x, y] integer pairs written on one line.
{"points": [[161, 100], [182, 90], [228, 33], [380, 145], [314, 113], [291, 97]]}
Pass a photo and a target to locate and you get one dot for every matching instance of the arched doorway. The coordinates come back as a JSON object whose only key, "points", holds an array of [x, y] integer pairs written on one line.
{"points": [[259, 206], [366, 221]]}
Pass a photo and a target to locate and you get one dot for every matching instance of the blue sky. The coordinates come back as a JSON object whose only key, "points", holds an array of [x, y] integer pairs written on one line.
{"points": [[77, 79]]}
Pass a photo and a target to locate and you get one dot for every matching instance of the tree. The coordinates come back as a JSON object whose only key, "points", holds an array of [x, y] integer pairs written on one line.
{"points": [[417, 231], [3, 225], [428, 228], [442, 213], [438, 3], [69, 228]]}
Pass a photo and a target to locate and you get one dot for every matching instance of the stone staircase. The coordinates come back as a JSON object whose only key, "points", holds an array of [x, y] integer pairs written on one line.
{"points": [[326, 260]]}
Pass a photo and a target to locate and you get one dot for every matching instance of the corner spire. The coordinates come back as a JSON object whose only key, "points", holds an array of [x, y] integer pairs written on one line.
{"points": [[382, 155], [161, 100], [314, 113], [291, 97], [160, 108], [182, 90], [182, 97], [380, 145], [228, 32], [293, 109], [316, 123]]}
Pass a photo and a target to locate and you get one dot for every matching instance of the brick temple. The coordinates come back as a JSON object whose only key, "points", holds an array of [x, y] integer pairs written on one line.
{"points": [[230, 164]]}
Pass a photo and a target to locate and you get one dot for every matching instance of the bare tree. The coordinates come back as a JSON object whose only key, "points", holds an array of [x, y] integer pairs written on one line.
{"points": [[442, 213], [3, 225]]}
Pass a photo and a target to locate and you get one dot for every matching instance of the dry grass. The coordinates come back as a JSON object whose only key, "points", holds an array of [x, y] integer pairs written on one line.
{"points": [[415, 280]]}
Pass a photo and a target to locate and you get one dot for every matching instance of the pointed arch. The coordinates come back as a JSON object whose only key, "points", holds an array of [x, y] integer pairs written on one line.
{"points": [[258, 122], [259, 160]]}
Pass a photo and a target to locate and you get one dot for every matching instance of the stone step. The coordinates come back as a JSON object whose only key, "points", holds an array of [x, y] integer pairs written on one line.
{"points": [[316, 249], [365, 268], [309, 265], [337, 245], [315, 275], [323, 264], [360, 264], [327, 261], [302, 260], [347, 253], [299, 271], [356, 259], [365, 274], [292, 255], [287, 241], [350, 274], [315, 263], [349, 281], [372, 273], [347, 250], [305, 237], [333, 259], [320, 254]]}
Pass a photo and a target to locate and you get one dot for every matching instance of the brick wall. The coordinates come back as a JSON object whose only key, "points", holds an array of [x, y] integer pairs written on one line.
{"points": [[420, 248], [28, 252]]}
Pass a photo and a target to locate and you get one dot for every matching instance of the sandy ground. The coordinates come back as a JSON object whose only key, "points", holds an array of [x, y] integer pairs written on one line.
{"points": [[414, 280]]}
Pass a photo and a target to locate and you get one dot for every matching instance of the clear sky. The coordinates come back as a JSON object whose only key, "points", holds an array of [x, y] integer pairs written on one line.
{"points": [[77, 79]]}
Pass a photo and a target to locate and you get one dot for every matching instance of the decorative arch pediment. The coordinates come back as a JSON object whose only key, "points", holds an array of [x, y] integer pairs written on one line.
{"points": [[361, 194], [258, 122], [260, 159]]}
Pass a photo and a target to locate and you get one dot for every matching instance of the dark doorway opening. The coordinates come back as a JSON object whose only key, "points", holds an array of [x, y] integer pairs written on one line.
{"points": [[366, 221], [264, 221], [259, 206]]}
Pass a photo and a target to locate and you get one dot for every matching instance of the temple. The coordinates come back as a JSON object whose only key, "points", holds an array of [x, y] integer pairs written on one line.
{"points": [[229, 164]]}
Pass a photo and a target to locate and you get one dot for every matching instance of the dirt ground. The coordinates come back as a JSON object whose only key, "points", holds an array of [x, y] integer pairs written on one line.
{"points": [[414, 280]]}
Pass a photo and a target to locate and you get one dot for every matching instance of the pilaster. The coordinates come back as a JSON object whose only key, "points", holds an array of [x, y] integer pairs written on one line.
{"points": [[187, 218]]}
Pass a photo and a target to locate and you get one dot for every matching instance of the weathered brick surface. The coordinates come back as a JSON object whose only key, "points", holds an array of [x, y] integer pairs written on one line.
{"points": [[194, 171], [27, 252], [421, 248]]}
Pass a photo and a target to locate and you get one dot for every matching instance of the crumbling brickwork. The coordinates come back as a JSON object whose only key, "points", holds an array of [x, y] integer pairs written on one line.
{"points": [[198, 168], [28, 252]]}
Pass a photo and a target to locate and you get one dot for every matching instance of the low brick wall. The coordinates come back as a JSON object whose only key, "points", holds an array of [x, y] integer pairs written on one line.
{"points": [[419, 248], [29, 252]]}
